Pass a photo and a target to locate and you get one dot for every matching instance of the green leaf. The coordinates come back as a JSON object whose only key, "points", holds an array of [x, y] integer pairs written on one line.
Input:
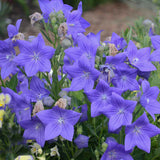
{"points": [[12, 83]]}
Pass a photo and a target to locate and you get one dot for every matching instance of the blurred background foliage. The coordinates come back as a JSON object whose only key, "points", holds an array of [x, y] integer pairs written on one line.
{"points": [[26, 7]]}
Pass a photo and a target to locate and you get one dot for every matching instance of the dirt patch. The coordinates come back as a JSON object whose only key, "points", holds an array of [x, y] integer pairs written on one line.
{"points": [[110, 17], [115, 17]]}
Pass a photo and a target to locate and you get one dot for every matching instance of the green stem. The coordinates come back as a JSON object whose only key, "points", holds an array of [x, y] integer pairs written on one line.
{"points": [[155, 157], [3, 84], [121, 136], [101, 132], [22, 70], [64, 149], [137, 113]]}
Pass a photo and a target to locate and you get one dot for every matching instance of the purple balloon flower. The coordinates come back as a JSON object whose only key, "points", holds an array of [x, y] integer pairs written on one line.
{"points": [[119, 112], [83, 75], [155, 41], [75, 23], [14, 30], [7, 56], [115, 151], [81, 141], [18, 105], [125, 79], [140, 58], [35, 56], [34, 129], [120, 43], [59, 121], [149, 99], [99, 98], [48, 6], [37, 90], [139, 133], [84, 116]]}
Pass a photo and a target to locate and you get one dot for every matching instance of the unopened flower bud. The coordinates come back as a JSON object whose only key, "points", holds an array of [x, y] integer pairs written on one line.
{"points": [[147, 23], [62, 103], [35, 17], [55, 27], [52, 15], [97, 59], [19, 36], [112, 49], [62, 30], [96, 154], [100, 50], [60, 17], [38, 107], [79, 130], [53, 21], [104, 146], [66, 43], [48, 101]]}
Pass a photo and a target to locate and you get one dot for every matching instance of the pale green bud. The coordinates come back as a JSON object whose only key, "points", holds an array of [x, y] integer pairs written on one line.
{"points": [[100, 50], [96, 154], [104, 146], [79, 130], [60, 17], [56, 27], [53, 21], [52, 15], [66, 43]]}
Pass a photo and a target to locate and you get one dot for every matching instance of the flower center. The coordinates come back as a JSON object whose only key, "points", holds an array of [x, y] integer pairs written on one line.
{"points": [[147, 100], [88, 56], [137, 129], [61, 120], [112, 154], [123, 78], [121, 111], [86, 75], [36, 56], [104, 97], [10, 57], [38, 126], [135, 60]]}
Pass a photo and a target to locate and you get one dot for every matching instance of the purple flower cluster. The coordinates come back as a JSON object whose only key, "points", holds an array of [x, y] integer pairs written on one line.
{"points": [[108, 84]]}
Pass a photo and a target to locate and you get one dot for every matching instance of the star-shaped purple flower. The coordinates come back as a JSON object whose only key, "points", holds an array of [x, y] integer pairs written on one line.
{"points": [[59, 121], [35, 56], [149, 99], [18, 105], [119, 112], [119, 42], [13, 30], [83, 75], [99, 98], [140, 58], [155, 41], [48, 6], [115, 151], [7, 56], [139, 133], [125, 79], [34, 129], [37, 90]]}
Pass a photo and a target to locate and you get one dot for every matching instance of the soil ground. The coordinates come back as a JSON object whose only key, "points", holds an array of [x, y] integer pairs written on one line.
{"points": [[110, 17]]}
